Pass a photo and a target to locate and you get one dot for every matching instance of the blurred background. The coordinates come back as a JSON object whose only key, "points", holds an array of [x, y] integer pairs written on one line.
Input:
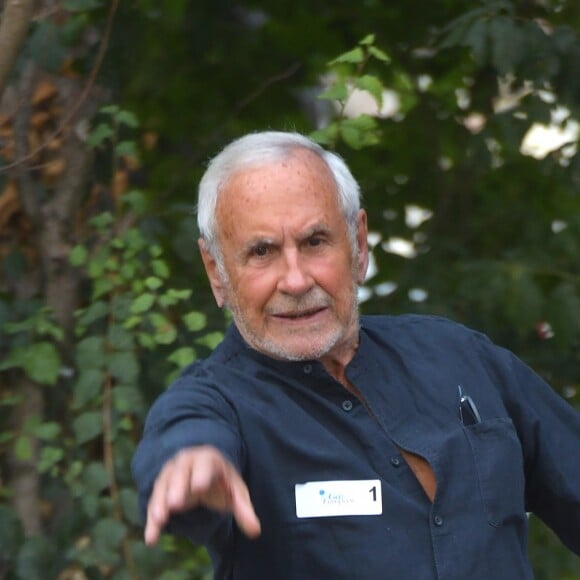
{"points": [[459, 119]]}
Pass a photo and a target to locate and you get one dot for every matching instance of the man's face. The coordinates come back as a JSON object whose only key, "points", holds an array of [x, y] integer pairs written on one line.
{"points": [[291, 274]]}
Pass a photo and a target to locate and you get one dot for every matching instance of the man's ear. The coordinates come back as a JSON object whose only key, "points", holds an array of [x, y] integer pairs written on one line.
{"points": [[363, 247], [212, 271]]}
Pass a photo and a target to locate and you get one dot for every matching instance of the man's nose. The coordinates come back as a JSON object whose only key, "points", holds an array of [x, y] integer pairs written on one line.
{"points": [[294, 277]]}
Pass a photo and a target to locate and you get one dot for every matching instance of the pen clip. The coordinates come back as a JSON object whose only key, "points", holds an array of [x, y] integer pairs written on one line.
{"points": [[468, 413]]}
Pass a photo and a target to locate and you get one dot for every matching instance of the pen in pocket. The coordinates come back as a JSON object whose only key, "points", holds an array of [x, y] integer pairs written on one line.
{"points": [[468, 413]]}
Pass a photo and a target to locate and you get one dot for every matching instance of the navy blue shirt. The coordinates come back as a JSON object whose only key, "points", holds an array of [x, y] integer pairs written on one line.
{"points": [[285, 423]]}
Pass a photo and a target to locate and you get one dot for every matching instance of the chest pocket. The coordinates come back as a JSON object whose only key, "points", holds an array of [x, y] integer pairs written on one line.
{"points": [[499, 463]]}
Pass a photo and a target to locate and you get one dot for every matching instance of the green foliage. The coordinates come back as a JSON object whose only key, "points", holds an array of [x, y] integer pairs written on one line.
{"points": [[347, 71], [40, 361], [38, 358], [132, 312]]}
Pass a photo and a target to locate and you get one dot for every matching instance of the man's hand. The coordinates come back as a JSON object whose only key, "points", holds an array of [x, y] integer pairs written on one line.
{"points": [[199, 476]]}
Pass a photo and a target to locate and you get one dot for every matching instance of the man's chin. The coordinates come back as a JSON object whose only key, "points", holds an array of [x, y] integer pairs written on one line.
{"points": [[296, 349]]}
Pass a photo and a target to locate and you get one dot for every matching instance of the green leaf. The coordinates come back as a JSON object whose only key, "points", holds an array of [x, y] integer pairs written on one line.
{"points": [[46, 431], [130, 505], [123, 366], [118, 243], [108, 534], [88, 386], [454, 32], [128, 118], [476, 38], [102, 221], [368, 39], [41, 362], [165, 331], [128, 271], [146, 340], [21, 326], [160, 268], [126, 423], [23, 448], [132, 322], [211, 340], [119, 338], [95, 478], [87, 426], [78, 256], [507, 44], [136, 200], [126, 148], [354, 56], [92, 313], [326, 136], [153, 283], [359, 132], [91, 353], [49, 458], [110, 110], [337, 92], [373, 85], [379, 54], [183, 294], [90, 504], [127, 399], [155, 250], [135, 242], [173, 296], [143, 303], [13, 359], [195, 321], [99, 135], [121, 306], [182, 356], [102, 287]]}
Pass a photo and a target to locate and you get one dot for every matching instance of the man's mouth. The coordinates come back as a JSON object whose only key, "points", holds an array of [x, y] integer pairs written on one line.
{"points": [[301, 314]]}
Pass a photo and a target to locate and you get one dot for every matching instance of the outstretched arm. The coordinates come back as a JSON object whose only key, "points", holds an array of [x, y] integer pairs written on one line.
{"points": [[199, 476]]}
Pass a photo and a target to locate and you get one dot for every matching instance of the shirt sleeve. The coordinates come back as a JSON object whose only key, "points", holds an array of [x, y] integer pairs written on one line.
{"points": [[549, 431], [188, 414]]}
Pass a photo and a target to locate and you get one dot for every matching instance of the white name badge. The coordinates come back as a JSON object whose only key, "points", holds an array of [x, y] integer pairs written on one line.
{"points": [[322, 499]]}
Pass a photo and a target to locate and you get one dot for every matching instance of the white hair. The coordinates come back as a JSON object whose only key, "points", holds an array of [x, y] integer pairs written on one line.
{"points": [[259, 149]]}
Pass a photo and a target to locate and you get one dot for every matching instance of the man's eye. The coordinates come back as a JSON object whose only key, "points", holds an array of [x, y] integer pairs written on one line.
{"points": [[315, 241], [260, 251]]}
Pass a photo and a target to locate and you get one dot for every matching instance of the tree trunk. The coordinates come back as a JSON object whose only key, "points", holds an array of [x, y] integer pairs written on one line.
{"points": [[14, 24], [53, 215]]}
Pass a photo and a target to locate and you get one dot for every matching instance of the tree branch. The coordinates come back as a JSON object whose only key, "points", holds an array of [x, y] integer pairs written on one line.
{"points": [[89, 86]]}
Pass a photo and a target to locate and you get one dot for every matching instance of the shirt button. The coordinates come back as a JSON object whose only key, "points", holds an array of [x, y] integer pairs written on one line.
{"points": [[438, 520], [347, 405], [307, 368], [395, 461]]}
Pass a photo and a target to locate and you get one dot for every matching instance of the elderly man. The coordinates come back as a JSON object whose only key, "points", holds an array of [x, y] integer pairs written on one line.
{"points": [[315, 443]]}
